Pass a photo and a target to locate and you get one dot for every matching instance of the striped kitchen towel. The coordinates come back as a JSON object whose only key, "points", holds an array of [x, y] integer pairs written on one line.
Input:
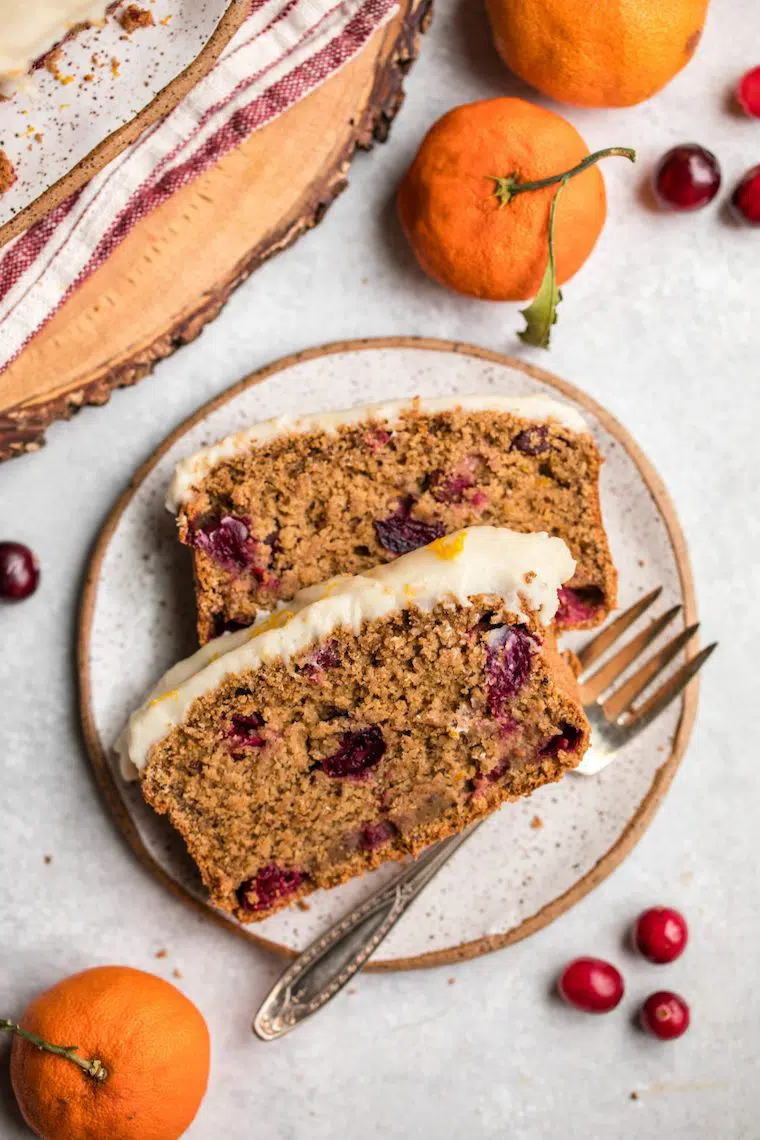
{"points": [[283, 51]]}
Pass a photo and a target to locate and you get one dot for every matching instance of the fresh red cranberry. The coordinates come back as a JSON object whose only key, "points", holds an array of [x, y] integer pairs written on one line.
{"points": [[358, 754], [748, 93], [374, 835], [400, 533], [687, 178], [244, 731], [566, 740], [268, 885], [532, 441], [591, 984], [577, 605], [661, 934], [510, 650], [665, 1015], [19, 572], [227, 541], [746, 197]]}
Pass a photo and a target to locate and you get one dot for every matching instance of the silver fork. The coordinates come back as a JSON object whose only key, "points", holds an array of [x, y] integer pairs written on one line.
{"points": [[333, 958]]}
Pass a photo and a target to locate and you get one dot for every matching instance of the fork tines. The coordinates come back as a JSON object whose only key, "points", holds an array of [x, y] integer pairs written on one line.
{"points": [[618, 705]]}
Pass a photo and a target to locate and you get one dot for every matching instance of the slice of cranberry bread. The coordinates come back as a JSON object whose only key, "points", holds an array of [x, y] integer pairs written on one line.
{"points": [[289, 503], [31, 30], [368, 718]]}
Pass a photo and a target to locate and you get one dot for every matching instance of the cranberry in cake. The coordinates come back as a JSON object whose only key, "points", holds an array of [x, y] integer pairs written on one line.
{"points": [[365, 719], [289, 503]]}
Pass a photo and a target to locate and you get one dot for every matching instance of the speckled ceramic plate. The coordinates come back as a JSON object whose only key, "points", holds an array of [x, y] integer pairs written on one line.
{"points": [[530, 861], [108, 87]]}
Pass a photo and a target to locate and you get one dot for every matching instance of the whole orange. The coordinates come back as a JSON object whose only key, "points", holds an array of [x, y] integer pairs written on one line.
{"points": [[151, 1039], [463, 236], [607, 53]]}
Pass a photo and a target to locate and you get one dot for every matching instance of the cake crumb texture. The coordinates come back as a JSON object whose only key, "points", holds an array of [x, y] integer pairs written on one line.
{"points": [[362, 748], [301, 507]]}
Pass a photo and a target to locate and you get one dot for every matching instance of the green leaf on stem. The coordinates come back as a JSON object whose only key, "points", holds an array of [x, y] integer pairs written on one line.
{"points": [[541, 314]]}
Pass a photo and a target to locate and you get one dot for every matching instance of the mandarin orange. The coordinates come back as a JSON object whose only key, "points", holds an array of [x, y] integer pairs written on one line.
{"points": [[462, 234], [152, 1046], [608, 53]]}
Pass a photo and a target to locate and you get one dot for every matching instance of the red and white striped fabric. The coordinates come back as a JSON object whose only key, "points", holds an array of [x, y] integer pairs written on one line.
{"points": [[284, 50]]}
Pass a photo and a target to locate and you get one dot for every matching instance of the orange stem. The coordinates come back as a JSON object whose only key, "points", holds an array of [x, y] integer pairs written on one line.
{"points": [[95, 1069], [507, 188]]}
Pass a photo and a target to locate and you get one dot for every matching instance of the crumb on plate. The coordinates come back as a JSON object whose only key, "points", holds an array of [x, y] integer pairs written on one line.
{"points": [[7, 172], [134, 17]]}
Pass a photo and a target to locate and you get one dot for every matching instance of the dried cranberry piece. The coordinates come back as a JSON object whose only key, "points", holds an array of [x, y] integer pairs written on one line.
{"points": [[500, 770], [374, 835], [268, 885], [227, 625], [244, 732], [326, 657], [578, 604], [532, 440], [448, 488], [376, 438], [266, 579], [510, 657], [227, 541], [566, 740], [400, 533], [358, 753]]}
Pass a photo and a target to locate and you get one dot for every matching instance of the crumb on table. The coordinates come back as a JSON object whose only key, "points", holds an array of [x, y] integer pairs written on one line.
{"points": [[176, 973], [48, 858], [162, 953], [303, 905], [536, 823]]}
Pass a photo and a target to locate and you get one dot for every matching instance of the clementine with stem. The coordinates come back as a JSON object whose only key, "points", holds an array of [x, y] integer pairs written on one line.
{"points": [[138, 1066], [477, 201]]}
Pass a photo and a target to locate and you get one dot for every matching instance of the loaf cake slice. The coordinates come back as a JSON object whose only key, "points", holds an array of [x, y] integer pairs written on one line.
{"points": [[30, 30], [366, 719], [291, 502]]}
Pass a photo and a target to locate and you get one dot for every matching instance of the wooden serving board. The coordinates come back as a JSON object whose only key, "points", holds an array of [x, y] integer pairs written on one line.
{"points": [[257, 200], [112, 145]]}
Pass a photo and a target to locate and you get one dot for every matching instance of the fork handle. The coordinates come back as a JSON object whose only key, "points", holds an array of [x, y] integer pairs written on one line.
{"points": [[332, 959]]}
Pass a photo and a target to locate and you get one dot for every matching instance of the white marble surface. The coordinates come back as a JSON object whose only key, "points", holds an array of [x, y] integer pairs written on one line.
{"points": [[661, 327]]}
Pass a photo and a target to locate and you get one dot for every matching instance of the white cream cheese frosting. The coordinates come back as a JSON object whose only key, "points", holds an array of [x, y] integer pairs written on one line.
{"points": [[191, 471], [526, 570], [32, 28]]}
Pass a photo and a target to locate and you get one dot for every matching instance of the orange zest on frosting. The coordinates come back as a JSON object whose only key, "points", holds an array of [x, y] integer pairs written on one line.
{"points": [[163, 697], [448, 548]]}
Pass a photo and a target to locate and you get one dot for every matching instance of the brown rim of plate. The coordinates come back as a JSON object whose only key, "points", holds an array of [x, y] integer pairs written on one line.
{"points": [[641, 818], [160, 105]]}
